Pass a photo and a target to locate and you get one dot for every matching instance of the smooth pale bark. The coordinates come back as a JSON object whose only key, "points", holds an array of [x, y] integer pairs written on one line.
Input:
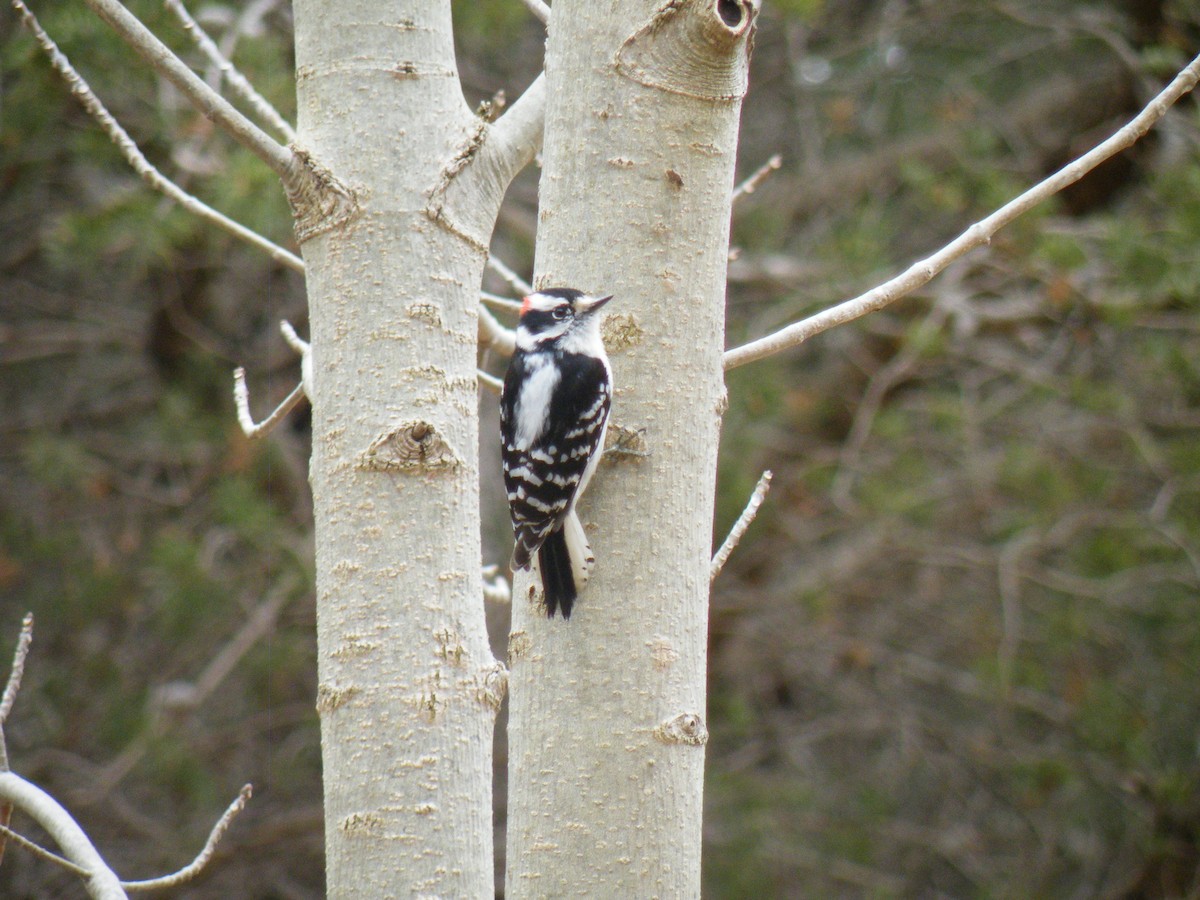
{"points": [[408, 688], [606, 729]]}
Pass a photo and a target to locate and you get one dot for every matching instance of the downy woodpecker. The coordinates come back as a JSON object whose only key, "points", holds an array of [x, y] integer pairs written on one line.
{"points": [[553, 415]]}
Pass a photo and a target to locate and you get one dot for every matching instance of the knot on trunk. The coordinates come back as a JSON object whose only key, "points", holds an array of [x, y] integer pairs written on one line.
{"points": [[320, 201], [493, 685], [685, 728], [409, 447], [697, 48], [331, 697]]}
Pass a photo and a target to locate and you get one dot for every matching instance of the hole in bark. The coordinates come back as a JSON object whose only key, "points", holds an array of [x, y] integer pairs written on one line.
{"points": [[731, 12]]}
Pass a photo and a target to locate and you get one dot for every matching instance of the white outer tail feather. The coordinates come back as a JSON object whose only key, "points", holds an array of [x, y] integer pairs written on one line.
{"points": [[582, 558]]}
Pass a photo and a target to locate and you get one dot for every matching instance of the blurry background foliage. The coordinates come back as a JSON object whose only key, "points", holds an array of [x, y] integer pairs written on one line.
{"points": [[957, 654]]}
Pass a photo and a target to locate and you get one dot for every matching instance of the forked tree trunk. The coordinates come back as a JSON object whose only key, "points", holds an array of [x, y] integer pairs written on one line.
{"points": [[607, 710], [408, 688]]}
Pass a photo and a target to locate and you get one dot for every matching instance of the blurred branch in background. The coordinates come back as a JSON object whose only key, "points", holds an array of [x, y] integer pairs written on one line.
{"points": [[176, 699], [164, 61], [237, 81], [923, 271], [151, 175]]}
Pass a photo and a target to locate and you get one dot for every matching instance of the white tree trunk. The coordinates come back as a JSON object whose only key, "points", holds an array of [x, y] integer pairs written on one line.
{"points": [[408, 688], [606, 730]]}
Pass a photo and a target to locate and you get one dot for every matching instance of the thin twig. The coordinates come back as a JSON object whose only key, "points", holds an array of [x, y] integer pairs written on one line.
{"points": [[302, 347], [38, 850], [211, 104], [496, 588], [920, 273], [540, 10], [500, 302], [191, 871], [519, 284], [18, 668], [241, 397], [740, 526], [237, 81], [100, 881], [241, 394], [760, 175], [186, 696], [490, 382], [133, 155], [6, 704], [495, 336]]}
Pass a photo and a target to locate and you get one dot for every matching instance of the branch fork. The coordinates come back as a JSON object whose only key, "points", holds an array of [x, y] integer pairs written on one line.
{"points": [[241, 394], [79, 854]]}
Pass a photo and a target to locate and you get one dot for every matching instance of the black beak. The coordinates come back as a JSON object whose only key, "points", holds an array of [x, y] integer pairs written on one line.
{"points": [[589, 305]]}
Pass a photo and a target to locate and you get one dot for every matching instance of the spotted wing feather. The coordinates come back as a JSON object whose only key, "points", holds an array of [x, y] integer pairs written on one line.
{"points": [[544, 477]]}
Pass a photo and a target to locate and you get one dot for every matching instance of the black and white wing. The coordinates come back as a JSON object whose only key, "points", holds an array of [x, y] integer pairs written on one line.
{"points": [[553, 414]]}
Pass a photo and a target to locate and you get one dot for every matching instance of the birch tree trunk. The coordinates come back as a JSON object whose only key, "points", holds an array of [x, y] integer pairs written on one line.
{"points": [[606, 729], [408, 688]]}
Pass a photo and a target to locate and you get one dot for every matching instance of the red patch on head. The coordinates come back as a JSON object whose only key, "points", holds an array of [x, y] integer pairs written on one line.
{"points": [[525, 304]]}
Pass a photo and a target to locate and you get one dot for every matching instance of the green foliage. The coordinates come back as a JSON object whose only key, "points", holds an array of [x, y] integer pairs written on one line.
{"points": [[804, 10], [497, 20]]}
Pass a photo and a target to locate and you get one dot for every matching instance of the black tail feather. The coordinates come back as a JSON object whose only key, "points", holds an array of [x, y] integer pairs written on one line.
{"points": [[558, 582]]}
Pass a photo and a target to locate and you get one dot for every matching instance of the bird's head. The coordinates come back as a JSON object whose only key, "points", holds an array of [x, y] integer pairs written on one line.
{"points": [[558, 317]]}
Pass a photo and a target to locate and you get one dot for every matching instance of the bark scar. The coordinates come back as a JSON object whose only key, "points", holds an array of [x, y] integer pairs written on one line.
{"points": [[409, 447], [685, 728], [435, 207], [320, 201], [696, 48], [493, 686]]}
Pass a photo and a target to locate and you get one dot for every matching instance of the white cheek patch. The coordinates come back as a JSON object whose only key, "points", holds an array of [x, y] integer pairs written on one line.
{"points": [[584, 338]]}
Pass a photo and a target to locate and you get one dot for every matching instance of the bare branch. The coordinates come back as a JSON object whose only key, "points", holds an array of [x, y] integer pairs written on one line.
{"points": [[471, 186], [18, 668], [496, 588], [920, 273], [6, 704], [740, 526], [500, 302], [516, 137], [43, 808], [241, 394], [241, 397], [761, 174], [540, 10], [515, 281], [197, 865], [495, 336], [148, 173], [38, 850], [100, 881], [237, 81], [490, 382], [302, 347], [160, 57]]}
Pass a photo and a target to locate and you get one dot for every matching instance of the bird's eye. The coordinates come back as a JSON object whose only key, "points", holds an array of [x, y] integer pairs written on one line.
{"points": [[560, 312]]}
